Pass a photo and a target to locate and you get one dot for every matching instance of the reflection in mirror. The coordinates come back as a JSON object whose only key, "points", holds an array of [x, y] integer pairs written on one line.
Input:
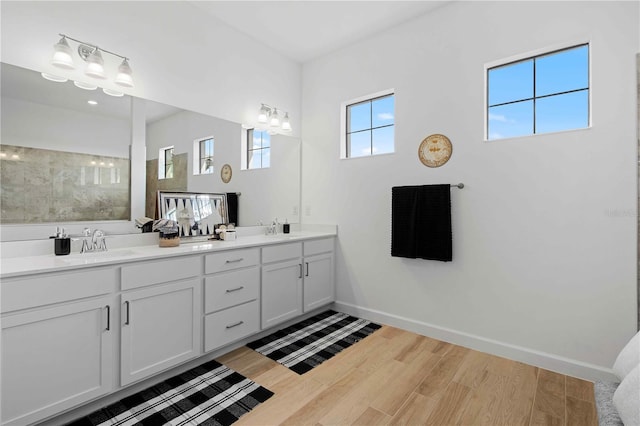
{"points": [[266, 194], [56, 121], [62, 158], [197, 214]]}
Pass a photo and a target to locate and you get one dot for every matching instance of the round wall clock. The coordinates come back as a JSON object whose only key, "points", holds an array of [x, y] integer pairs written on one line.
{"points": [[225, 173], [435, 150]]}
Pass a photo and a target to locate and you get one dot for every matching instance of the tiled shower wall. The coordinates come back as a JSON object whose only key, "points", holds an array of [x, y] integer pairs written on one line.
{"points": [[40, 186], [177, 183]]}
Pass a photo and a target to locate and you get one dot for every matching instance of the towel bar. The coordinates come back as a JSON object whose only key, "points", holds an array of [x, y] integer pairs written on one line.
{"points": [[460, 185]]}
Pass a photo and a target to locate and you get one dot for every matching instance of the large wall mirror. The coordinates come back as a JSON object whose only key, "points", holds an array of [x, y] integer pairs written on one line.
{"points": [[65, 161]]}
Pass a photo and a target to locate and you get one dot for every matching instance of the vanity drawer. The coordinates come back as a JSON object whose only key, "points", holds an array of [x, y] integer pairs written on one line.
{"points": [[281, 252], [230, 325], [324, 245], [232, 259], [231, 288], [30, 292], [160, 271]]}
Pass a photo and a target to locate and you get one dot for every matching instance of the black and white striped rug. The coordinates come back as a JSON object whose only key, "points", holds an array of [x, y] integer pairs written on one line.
{"points": [[309, 343], [210, 394]]}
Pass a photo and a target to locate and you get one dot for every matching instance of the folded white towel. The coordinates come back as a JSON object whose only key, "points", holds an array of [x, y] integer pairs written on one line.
{"points": [[626, 398], [628, 358]]}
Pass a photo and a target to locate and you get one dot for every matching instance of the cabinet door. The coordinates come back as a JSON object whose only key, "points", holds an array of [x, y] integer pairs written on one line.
{"points": [[160, 328], [55, 358], [319, 286], [281, 292]]}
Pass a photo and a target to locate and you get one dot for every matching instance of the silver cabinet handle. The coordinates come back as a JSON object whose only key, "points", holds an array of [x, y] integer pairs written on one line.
{"points": [[240, 259], [300, 265], [307, 274], [108, 308], [231, 290], [235, 325], [126, 321]]}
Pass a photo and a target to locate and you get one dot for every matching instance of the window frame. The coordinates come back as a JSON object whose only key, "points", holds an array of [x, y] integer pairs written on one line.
{"points": [[344, 140], [163, 164], [249, 134], [532, 55], [198, 155]]}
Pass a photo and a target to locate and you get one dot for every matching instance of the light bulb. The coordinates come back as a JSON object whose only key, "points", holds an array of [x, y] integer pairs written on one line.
{"points": [[286, 125], [62, 55], [275, 120], [95, 65], [262, 115], [125, 75]]}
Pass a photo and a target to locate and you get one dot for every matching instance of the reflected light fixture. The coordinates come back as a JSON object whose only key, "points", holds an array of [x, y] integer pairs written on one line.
{"points": [[92, 55], [269, 119]]}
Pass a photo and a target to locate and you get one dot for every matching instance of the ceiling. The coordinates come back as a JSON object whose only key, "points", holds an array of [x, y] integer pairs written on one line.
{"points": [[303, 30]]}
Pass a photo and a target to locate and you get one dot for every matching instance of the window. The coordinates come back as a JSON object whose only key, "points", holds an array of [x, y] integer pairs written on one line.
{"points": [[203, 156], [165, 163], [258, 149], [540, 94], [369, 125]]}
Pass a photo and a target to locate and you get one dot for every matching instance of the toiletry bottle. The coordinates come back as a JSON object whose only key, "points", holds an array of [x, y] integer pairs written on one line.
{"points": [[285, 227], [62, 243]]}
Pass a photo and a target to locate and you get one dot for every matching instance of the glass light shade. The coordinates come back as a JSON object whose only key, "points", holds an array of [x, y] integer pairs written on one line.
{"points": [[262, 115], [125, 75], [112, 92], [62, 55], [95, 65], [286, 125], [52, 77], [275, 120], [85, 86]]}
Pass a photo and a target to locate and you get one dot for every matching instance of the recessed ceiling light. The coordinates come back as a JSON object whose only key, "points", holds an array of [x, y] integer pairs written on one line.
{"points": [[92, 102]]}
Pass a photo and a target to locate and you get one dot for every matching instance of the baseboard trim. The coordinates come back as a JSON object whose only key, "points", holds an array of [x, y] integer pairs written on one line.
{"points": [[540, 359]]}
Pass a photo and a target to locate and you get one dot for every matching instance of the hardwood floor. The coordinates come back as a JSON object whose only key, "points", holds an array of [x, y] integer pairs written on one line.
{"points": [[398, 377]]}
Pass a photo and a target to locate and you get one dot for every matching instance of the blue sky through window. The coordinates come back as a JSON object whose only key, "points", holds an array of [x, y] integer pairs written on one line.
{"points": [[370, 127], [544, 94], [259, 153]]}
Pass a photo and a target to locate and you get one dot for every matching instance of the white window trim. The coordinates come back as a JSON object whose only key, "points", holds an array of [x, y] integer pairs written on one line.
{"points": [[196, 155], [161, 163], [531, 54], [343, 122]]}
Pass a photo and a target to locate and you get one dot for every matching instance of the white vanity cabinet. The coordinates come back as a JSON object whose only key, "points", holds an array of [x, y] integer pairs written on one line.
{"points": [[319, 273], [57, 342], [160, 310], [231, 296], [281, 295]]}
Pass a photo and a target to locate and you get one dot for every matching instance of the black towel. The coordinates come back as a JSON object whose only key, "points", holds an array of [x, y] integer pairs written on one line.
{"points": [[421, 222], [232, 207]]}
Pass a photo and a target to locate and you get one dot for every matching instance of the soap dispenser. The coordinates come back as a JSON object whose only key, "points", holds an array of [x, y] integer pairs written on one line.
{"points": [[285, 227], [62, 243]]}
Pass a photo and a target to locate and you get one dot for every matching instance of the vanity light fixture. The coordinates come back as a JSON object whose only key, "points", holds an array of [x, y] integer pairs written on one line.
{"points": [[112, 92], [92, 55], [85, 86], [269, 119]]}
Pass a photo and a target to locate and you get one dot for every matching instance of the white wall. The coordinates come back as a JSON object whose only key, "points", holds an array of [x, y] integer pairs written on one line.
{"points": [[544, 231], [268, 193], [62, 129], [179, 55]]}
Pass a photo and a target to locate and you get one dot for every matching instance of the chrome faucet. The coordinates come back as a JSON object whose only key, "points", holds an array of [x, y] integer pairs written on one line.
{"points": [[96, 243], [273, 228]]}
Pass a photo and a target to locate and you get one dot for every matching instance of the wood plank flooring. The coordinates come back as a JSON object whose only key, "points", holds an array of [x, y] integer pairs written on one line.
{"points": [[401, 378]]}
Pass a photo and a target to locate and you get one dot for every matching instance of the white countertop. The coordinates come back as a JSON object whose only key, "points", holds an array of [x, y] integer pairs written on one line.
{"points": [[26, 265]]}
